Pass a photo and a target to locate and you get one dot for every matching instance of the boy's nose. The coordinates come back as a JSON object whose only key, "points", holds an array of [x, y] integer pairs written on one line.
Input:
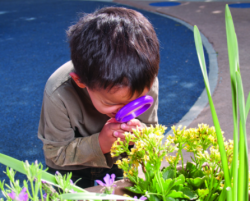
{"points": [[120, 107]]}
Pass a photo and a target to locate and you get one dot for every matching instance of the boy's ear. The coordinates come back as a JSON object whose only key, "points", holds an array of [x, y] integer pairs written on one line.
{"points": [[76, 78]]}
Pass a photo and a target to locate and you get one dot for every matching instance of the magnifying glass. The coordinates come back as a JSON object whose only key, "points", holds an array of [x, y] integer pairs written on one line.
{"points": [[134, 109]]}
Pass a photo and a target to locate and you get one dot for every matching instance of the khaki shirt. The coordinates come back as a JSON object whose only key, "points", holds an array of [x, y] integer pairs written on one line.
{"points": [[70, 125]]}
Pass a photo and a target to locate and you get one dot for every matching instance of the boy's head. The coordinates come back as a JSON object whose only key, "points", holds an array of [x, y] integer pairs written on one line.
{"points": [[115, 48]]}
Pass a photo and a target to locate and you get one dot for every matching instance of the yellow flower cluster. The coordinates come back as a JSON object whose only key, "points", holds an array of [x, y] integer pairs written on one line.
{"points": [[200, 138], [202, 142], [215, 155], [147, 148], [229, 146], [173, 159], [129, 166], [116, 148], [195, 139], [179, 135]]}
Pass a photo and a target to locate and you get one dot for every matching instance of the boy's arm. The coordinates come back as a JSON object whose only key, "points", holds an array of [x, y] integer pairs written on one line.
{"points": [[150, 117], [60, 145]]}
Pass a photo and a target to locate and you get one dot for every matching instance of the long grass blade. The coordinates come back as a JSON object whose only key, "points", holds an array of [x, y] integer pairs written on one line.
{"points": [[199, 49], [243, 151], [223, 195], [18, 166], [200, 54], [247, 105], [233, 57], [93, 196]]}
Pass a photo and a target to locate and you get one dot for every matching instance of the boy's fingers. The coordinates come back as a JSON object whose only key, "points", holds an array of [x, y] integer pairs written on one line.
{"points": [[134, 122], [119, 134], [114, 126], [127, 128]]}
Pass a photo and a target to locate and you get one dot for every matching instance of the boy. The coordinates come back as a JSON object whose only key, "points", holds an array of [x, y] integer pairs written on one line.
{"points": [[114, 60]]}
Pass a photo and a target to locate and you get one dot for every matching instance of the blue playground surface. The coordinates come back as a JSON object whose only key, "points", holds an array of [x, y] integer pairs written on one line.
{"points": [[165, 4], [239, 5], [34, 44]]}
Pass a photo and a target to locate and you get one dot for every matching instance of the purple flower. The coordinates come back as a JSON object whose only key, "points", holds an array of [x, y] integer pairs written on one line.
{"points": [[23, 196], [57, 172], [12, 195], [108, 180], [141, 198], [45, 195], [71, 182]]}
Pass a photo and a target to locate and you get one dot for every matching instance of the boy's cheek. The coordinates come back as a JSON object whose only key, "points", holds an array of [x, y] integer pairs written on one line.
{"points": [[106, 110]]}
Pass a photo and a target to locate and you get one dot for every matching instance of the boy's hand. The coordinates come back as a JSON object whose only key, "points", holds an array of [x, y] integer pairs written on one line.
{"points": [[109, 134], [113, 130], [130, 125]]}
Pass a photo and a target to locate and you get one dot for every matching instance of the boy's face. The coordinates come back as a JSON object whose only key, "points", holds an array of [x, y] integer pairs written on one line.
{"points": [[109, 102]]}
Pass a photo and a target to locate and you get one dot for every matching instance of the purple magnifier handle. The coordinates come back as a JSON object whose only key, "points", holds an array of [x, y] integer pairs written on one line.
{"points": [[134, 109]]}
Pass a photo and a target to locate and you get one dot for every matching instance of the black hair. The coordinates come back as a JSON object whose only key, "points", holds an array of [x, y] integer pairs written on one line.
{"points": [[115, 46]]}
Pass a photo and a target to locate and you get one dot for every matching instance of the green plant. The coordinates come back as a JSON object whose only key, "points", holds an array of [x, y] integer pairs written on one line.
{"points": [[201, 179], [221, 173], [236, 177], [41, 184]]}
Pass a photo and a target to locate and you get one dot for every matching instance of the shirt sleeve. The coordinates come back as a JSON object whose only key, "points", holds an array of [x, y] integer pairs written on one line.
{"points": [[150, 117], [60, 145]]}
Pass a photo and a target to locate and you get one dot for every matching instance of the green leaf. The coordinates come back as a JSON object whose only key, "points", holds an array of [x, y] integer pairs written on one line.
{"points": [[247, 105], [223, 195], [233, 65], [134, 189], [184, 193], [178, 188], [197, 173], [168, 184], [170, 199], [93, 196], [176, 194], [153, 198], [243, 148], [191, 194], [168, 173], [143, 184], [214, 197], [179, 180], [200, 53], [196, 182], [191, 171], [190, 167], [202, 193]]}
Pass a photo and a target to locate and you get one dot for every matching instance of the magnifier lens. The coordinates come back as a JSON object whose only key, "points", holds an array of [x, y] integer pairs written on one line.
{"points": [[134, 108]]}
